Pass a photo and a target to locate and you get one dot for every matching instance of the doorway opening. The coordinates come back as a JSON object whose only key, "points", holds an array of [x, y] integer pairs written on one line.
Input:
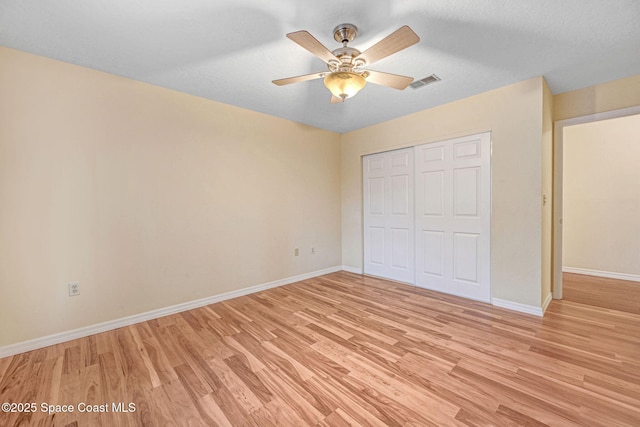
{"points": [[591, 194]]}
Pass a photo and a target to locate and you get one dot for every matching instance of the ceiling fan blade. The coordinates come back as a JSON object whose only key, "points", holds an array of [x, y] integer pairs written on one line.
{"points": [[307, 41], [394, 42], [336, 99], [297, 79], [390, 80]]}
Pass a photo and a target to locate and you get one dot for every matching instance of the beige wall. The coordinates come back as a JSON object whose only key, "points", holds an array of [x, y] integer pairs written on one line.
{"points": [[603, 97], [148, 197], [514, 115], [601, 221]]}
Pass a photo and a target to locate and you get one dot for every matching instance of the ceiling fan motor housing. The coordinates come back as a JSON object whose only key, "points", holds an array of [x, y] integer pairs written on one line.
{"points": [[346, 55], [345, 33]]}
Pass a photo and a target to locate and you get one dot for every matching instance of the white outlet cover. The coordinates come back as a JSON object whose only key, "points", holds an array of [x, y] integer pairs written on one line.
{"points": [[74, 289]]}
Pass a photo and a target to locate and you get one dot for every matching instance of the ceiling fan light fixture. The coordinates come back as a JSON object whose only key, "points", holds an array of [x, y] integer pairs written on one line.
{"points": [[344, 84], [347, 74]]}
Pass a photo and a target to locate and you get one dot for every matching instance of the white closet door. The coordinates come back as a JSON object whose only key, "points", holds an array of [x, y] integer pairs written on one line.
{"points": [[389, 215], [453, 216]]}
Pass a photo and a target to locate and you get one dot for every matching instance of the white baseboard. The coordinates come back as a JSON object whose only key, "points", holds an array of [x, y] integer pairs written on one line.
{"points": [[354, 270], [34, 344], [607, 274], [516, 306]]}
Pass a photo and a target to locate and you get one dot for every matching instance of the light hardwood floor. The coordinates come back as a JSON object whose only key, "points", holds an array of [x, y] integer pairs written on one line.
{"points": [[340, 350], [602, 292]]}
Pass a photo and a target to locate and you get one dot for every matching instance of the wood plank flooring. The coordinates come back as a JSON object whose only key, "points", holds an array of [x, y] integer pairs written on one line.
{"points": [[340, 350], [623, 295]]}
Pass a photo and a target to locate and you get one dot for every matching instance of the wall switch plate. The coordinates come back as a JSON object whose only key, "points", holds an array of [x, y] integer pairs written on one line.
{"points": [[74, 289]]}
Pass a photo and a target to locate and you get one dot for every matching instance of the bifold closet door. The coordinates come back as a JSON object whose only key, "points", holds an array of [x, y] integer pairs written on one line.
{"points": [[388, 196], [453, 216]]}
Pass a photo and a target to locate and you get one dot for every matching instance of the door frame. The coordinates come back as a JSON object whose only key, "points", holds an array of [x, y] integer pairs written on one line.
{"points": [[558, 146]]}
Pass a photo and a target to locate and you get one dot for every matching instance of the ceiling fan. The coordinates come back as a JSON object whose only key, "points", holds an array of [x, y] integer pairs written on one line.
{"points": [[347, 74]]}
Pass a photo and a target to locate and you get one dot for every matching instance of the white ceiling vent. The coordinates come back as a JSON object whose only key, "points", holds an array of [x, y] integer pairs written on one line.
{"points": [[423, 82]]}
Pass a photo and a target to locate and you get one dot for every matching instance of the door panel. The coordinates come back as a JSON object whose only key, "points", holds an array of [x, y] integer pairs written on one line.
{"points": [[466, 149], [453, 216], [465, 257], [400, 194], [427, 216], [433, 183], [432, 154], [376, 196], [376, 245], [389, 236], [400, 248], [465, 192], [433, 253]]}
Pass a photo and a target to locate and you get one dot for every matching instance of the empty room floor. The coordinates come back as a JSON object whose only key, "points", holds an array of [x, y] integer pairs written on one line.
{"points": [[623, 295], [338, 350]]}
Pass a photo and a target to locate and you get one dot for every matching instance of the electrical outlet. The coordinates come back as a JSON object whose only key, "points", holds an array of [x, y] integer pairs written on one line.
{"points": [[313, 251], [74, 289], [296, 252]]}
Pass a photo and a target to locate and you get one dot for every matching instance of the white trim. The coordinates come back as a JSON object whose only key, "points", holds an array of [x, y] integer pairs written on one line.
{"points": [[606, 115], [607, 274], [546, 302], [354, 270], [516, 306], [34, 344]]}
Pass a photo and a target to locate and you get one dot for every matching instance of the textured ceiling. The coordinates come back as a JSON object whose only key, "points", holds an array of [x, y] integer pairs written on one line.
{"points": [[230, 51]]}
